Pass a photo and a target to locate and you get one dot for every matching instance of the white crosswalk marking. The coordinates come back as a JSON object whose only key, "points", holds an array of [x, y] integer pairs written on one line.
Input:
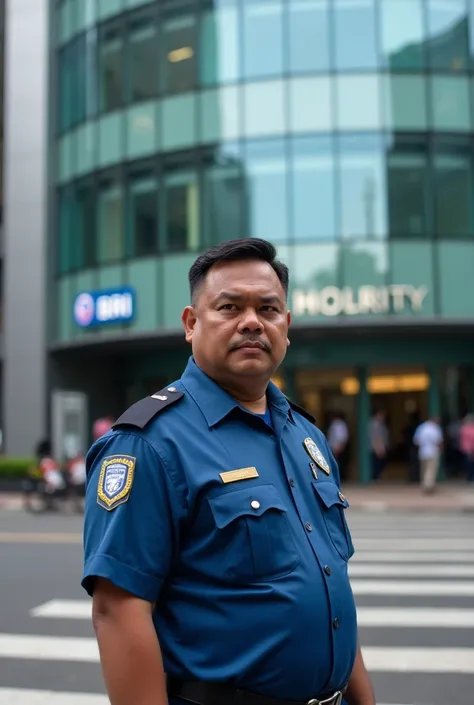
{"points": [[413, 581]]}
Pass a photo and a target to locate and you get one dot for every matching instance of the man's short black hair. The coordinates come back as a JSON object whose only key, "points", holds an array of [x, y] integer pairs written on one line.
{"points": [[234, 251]]}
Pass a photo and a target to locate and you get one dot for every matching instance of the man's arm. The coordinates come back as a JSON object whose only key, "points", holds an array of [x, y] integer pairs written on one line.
{"points": [[359, 689], [130, 653]]}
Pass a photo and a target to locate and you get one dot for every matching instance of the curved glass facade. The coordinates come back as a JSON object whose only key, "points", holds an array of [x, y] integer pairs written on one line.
{"points": [[342, 130]]}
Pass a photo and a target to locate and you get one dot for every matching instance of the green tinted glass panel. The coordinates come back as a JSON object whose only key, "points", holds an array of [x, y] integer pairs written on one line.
{"points": [[64, 159], [404, 100], [109, 7], [175, 288], [110, 139], [143, 278], [86, 148], [450, 99], [66, 14], [135, 3], [220, 114], [85, 14], [179, 121], [65, 309], [110, 220], [315, 274], [364, 279], [311, 104], [358, 102], [141, 130], [456, 286], [411, 278], [110, 277]]}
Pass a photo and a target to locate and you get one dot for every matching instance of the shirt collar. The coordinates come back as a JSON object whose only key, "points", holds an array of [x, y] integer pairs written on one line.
{"points": [[215, 403]]}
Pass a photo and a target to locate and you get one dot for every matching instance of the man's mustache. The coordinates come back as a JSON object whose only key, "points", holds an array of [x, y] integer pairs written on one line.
{"points": [[254, 340]]}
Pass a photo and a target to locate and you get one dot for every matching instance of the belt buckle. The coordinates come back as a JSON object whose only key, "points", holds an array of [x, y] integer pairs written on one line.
{"points": [[335, 699]]}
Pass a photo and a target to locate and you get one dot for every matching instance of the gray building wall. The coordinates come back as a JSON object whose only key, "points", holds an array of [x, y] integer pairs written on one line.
{"points": [[25, 211]]}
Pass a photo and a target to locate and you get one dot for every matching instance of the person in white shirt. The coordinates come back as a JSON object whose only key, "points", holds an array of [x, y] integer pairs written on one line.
{"points": [[429, 439], [338, 438]]}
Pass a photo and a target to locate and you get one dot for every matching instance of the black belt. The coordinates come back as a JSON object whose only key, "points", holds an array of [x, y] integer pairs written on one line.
{"points": [[223, 694]]}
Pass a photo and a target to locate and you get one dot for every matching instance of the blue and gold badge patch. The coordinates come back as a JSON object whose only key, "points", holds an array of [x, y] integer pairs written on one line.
{"points": [[314, 453], [115, 481]]}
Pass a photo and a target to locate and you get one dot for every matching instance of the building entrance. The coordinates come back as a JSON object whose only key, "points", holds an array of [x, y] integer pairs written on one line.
{"points": [[401, 393]]}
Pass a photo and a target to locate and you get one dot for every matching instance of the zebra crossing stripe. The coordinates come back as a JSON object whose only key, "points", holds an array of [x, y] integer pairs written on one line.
{"points": [[411, 571], [409, 617], [22, 696], [414, 544], [447, 588], [380, 658], [411, 557]]}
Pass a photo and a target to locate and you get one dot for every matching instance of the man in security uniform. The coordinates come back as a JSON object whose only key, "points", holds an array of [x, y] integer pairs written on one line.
{"points": [[216, 546]]}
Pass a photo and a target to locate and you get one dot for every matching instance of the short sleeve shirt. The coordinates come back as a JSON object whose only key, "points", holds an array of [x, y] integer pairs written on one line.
{"points": [[235, 527]]}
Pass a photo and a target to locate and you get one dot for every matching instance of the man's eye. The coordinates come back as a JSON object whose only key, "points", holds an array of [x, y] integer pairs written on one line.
{"points": [[270, 309], [227, 307]]}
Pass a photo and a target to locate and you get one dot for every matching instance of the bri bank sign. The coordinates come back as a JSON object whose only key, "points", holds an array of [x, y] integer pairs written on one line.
{"points": [[96, 308]]}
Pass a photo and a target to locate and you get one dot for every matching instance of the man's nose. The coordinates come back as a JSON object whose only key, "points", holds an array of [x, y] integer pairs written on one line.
{"points": [[250, 321]]}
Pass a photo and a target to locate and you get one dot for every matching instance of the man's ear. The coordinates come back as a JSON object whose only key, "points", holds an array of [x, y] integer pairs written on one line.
{"points": [[188, 319]]}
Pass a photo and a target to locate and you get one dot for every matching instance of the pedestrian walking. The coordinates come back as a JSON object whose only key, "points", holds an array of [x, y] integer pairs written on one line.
{"points": [[215, 540]]}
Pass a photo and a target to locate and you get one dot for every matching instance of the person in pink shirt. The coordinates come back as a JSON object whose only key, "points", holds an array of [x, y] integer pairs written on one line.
{"points": [[466, 444], [102, 426]]}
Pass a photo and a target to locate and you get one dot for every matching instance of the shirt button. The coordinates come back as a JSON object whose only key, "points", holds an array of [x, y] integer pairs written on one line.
{"points": [[292, 482], [308, 526], [335, 624], [341, 496], [255, 504], [171, 389], [327, 570]]}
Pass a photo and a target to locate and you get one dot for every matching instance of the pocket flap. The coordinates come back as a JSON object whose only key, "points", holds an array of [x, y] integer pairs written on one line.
{"points": [[252, 501], [330, 494]]}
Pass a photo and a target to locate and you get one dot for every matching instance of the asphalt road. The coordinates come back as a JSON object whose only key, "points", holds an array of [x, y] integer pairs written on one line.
{"points": [[413, 577]]}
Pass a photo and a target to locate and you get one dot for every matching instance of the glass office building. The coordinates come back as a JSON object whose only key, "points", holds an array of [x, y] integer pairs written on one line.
{"points": [[342, 130]]}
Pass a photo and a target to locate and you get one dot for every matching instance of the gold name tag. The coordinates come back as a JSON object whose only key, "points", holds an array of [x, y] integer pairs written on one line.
{"points": [[236, 475]]}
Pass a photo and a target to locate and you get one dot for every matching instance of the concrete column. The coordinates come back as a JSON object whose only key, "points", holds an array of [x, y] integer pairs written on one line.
{"points": [[25, 212]]}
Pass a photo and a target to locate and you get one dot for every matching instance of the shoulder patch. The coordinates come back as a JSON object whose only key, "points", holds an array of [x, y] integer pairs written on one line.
{"points": [[115, 480], [143, 411], [300, 410]]}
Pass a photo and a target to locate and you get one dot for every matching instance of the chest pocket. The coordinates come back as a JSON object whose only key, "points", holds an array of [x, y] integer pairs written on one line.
{"points": [[333, 505], [253, 534]]}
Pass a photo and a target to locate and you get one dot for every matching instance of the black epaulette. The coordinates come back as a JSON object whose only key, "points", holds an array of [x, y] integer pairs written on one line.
{"points": [[143, 411], [301, 411]]}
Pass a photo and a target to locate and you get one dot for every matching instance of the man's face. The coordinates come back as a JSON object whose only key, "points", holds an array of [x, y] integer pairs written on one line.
{"points": [[239, 324]]}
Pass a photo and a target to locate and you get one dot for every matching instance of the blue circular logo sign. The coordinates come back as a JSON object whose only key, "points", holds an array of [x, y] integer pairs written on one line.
{"points": [[84, 310]]}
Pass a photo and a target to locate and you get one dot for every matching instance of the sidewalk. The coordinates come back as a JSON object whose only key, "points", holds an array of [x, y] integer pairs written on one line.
{"points": [[449, 496]]}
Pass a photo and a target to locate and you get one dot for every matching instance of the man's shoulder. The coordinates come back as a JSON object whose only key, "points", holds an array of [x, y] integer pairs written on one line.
{"points": [[140, 414]]}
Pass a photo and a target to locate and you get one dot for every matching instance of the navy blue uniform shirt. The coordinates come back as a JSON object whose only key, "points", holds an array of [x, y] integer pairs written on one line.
{"points": [[248, 569]]}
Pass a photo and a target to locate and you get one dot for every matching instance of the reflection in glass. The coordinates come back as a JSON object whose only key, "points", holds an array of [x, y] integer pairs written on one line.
{"points": [[66, 233], [267, 190], [182, 211], [358, 102], [407, 190], [65, 88], [110, 222], [405, 102], [448, 28], [179, 58], [314, 268], [143, 61], [453, 187], [111, 70], [364, 263], [219, 46], [363, 188], [402, 34], [143, 198], [263, 39], [224, 183], [355, 34], [450, 101], [90, 59], [308, 28], [86, 224], [313, 188]]}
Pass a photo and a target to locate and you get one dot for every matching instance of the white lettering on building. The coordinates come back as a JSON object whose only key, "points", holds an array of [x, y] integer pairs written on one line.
{"points": [[114, 307], [332, 301]]}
